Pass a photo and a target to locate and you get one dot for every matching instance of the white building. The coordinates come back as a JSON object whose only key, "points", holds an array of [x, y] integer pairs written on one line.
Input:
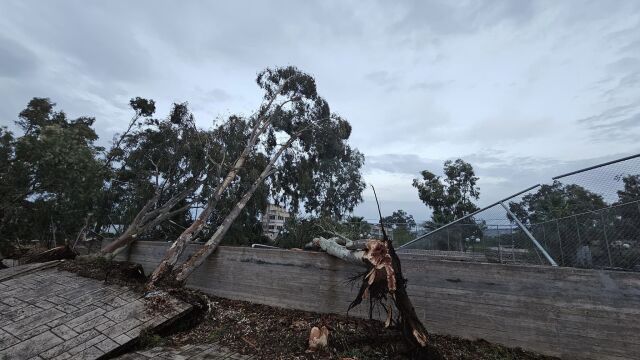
{"points": [[273, 220]]}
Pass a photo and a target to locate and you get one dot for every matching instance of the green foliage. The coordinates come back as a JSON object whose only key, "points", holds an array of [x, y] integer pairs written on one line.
{"points": [[450, 197], [55, 182], [321, 172], [53, 174], [298, 231], [565, 217], [556, 201], [167, 154], [631, 189], [399, 226]]}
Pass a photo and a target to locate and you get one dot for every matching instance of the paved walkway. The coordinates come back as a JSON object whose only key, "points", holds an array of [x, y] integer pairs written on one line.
{"points": [[46, 313], [187, 352]]}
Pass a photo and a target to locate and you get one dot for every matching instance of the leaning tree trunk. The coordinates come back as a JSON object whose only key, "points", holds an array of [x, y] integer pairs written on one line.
{"points": [[148, 219], [177, 248], [210, 246]]}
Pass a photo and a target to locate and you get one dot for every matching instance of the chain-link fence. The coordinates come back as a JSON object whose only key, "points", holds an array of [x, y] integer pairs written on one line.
{"points": [[399, 233], [588, 218]]}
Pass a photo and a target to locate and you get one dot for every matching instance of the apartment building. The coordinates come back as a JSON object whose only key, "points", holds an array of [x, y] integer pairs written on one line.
{"points": [[273, 220]]}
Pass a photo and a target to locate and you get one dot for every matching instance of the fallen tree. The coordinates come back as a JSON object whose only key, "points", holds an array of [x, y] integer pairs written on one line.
{"points": [[159, 166], [293, 130], [152, 214], [260, 126]]}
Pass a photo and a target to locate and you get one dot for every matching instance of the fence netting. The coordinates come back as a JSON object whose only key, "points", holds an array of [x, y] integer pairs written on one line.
{"points": [[589, 219]]}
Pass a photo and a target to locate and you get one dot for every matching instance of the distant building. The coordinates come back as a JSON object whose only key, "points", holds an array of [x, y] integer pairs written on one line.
{"points": [[273, 220]]}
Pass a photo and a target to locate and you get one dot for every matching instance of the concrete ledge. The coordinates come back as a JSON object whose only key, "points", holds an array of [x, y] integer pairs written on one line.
{"points": [[566, 312]]}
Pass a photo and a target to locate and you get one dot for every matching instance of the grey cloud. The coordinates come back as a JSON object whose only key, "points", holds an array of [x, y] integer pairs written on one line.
{"points": [[251, 34], [98, 42], [16, 61], [384, 79], [91, 58], [625, 65], [430, 85], [617, 123], [201, 99], [219, 95], [632, 47], [402, 163], [451, 18]]}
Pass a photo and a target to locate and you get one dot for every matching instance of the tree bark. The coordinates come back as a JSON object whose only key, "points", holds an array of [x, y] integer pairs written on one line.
{"points": [[177, 248], [210, 246], [332, 247], [147, 218]]}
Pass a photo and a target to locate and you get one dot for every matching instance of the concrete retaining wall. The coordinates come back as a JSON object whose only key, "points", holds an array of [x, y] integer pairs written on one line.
{"points": [[566, 312]]}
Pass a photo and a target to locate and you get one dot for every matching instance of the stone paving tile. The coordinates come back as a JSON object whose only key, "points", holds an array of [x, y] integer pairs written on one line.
{"points": [[7, 339], [33, 332], [31, 347], [12, 272], [33, 321], [64, 332], [47, 314]]}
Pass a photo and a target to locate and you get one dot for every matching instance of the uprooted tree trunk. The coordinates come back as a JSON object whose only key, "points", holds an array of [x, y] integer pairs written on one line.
{"points": [[210, 246], [383, 279], [177, 248], [150, 216]]}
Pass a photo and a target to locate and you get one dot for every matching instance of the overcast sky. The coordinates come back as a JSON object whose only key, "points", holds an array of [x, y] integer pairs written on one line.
{"points": [[524, 90]]}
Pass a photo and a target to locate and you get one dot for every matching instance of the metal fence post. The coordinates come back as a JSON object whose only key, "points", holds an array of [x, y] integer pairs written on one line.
{"points": [[448, 246], [513, 245], [577, 229], [526, 231], [606, 239], [499, 244], [560, 243]]}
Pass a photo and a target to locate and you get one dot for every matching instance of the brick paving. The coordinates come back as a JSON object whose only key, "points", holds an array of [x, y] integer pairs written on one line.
{"points": [[187, 352], [46, 313]]}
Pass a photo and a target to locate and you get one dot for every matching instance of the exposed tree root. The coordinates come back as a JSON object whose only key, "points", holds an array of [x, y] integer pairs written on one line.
{"points": [[384, 285]]}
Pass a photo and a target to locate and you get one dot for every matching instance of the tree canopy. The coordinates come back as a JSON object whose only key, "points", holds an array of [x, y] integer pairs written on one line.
{"points": [[56, 183], [449, 197], [556, 200]]}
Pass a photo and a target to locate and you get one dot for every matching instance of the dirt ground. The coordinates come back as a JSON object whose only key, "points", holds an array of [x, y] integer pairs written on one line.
{"points": [[273, 333]]}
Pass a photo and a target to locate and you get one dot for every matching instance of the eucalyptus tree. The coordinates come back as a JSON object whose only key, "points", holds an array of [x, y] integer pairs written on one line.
{"points": [[450, 197], [292, 128], [554, 201], [327, 184], [14, 186], [158, 167], [53, 174]]}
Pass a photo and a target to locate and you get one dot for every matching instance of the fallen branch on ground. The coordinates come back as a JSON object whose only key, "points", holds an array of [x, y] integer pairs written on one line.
{"points": [[57, 253]]}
